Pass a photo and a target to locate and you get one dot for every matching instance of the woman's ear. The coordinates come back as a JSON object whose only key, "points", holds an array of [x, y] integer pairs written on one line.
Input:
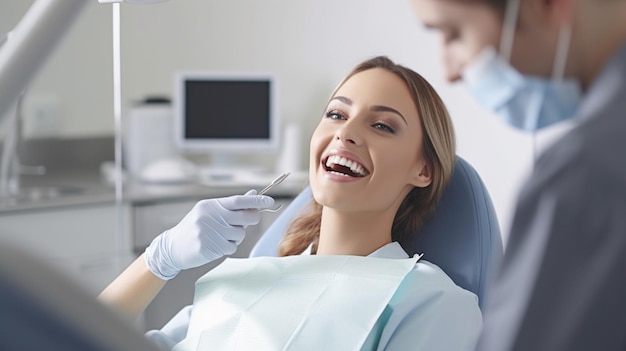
{"points": [[422, 176]]}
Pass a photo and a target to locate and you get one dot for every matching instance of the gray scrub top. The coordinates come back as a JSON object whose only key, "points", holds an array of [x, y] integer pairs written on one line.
{"points": [[562, 285]]}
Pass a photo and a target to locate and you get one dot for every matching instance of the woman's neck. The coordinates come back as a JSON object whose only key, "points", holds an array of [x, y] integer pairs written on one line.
{"points": [[354, 233]]}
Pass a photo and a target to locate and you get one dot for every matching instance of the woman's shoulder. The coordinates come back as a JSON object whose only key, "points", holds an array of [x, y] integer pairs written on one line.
{"points": [[425, 279], [428, 271], [430, 312], [429, 281]]}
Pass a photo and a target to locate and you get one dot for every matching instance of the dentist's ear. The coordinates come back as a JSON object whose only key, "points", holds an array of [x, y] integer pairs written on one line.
{"points": [[423, 176]]}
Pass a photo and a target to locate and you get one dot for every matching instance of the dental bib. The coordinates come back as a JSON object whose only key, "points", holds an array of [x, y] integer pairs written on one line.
{"points": [[292, 303]]}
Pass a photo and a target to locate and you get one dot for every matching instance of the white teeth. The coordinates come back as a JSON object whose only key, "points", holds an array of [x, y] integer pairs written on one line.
{"points": [[337, 173], [342, 161]]}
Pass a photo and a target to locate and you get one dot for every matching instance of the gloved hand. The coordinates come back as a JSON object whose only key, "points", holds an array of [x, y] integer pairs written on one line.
{"points": [[213, 228]]}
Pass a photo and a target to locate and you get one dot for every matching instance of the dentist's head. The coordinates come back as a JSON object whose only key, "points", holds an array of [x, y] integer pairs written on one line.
{"points": [[528, 60]]}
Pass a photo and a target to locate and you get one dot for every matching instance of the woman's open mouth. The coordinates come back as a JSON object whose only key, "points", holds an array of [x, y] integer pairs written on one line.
{"points": [[344, 166]]}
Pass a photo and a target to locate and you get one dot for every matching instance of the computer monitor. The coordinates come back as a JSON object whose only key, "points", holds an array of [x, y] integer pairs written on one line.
{"points": [[225, 114]]}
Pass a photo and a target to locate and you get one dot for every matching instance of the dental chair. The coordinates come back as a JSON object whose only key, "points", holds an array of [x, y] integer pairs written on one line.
{"points": [[41, 309], [462, 237]]}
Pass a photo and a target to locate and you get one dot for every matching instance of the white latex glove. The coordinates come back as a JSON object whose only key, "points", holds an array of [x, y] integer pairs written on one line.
{"points": [[213, 228]]}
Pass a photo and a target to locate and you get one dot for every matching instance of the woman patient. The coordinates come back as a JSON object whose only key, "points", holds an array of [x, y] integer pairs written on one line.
{"points": [[379, 161]]}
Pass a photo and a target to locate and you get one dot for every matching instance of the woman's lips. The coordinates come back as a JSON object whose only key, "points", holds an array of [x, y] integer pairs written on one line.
{"points": [[344, 163], [345, 166]]}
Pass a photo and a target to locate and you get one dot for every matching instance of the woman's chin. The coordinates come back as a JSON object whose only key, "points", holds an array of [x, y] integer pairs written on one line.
{"points": [[335, 199]]}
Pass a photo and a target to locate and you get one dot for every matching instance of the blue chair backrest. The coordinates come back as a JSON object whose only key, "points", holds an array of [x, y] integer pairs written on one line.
{"points": [[462, 237]]}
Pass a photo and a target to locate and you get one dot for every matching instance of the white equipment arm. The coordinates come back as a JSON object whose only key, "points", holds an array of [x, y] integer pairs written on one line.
{"points": [[30, 43], [33, 39]]}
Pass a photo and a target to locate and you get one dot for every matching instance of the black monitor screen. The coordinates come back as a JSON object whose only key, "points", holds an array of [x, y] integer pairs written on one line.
{"points": [[227, 109]]}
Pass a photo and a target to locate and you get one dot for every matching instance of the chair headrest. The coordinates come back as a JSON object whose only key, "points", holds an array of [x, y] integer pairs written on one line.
{"points": [[463, 236]]}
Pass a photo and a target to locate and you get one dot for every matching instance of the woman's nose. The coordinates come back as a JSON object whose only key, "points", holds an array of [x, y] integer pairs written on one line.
{"points": [[349, 133]]}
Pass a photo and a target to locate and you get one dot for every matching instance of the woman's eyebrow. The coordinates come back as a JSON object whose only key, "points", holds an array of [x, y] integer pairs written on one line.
{"points": [[380, 108], [343, 99], [376, 108]]}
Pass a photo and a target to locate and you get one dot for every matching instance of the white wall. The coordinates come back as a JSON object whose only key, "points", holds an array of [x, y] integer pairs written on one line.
{"points": [[310, 44]]}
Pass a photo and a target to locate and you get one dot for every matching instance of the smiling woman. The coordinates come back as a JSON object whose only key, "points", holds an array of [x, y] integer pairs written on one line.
{"points": [[379, 159]]}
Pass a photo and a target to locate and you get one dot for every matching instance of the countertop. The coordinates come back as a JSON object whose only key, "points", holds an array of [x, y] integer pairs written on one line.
{"points": [[85, 188], [80, 168]]}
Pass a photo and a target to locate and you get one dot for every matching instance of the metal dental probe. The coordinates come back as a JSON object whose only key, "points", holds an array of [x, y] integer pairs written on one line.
{"points": [[274, 182]]}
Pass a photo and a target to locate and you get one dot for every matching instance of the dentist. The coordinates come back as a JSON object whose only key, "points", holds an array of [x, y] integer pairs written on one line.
{"points": [[537, 62]]}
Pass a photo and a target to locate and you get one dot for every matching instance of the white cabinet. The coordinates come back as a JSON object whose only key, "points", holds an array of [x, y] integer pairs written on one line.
{"points": [[82, 241]]}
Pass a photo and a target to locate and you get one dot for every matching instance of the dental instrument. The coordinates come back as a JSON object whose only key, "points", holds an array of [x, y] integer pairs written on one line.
{"points": [[274, 182]]}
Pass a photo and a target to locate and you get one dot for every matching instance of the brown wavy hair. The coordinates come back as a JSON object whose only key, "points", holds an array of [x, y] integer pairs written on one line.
{"points": [[439, 153]]}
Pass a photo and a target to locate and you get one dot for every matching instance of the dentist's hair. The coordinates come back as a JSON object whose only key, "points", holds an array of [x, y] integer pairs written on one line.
{"points": [[438, 150]]}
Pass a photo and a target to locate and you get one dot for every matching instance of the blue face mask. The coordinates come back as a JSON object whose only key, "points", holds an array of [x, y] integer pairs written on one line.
{"points": [[524, 102]]}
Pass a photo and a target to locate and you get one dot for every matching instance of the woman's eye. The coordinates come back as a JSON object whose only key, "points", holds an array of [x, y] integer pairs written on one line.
{"points": [[335, 115], [384, 127]]}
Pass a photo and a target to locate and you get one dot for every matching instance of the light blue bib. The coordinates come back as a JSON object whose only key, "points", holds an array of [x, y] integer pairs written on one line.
{"points": [[292, 303]]}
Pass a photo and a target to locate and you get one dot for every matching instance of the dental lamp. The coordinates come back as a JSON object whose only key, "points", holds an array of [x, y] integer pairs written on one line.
{"points": [[32, 41]]}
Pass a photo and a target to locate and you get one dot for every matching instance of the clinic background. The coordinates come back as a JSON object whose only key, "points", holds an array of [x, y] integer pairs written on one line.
{"points": [[309, 44]]}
